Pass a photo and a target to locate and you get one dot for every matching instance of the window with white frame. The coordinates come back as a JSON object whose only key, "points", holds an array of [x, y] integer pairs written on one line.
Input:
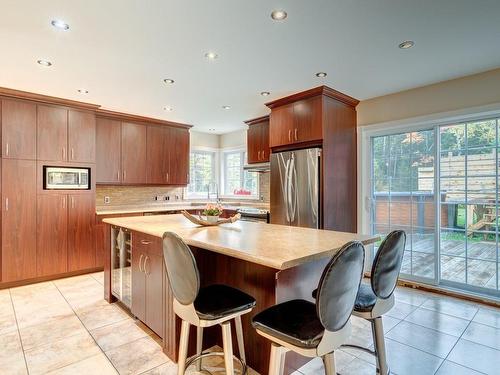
{"points": [[237, 182], [202, 172]]}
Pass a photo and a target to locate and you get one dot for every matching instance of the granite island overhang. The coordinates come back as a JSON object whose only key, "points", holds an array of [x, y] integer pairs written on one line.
{"points": [[273, 263]]}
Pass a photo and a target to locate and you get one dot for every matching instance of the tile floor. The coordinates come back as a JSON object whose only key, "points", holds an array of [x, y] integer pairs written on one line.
{"points": [[65, 327]]}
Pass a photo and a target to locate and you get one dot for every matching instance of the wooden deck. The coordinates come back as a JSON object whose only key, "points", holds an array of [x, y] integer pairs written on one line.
{"points": [[480, 266]]}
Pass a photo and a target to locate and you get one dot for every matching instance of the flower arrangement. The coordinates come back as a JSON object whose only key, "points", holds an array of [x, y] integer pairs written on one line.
{"points": [[213, 210]]}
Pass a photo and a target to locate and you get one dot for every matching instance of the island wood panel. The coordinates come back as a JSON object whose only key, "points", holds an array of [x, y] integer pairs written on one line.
{"points": [[179, 156], [52, 234], [18, 220], [18, 129], [134, 165], [108, 151], [81, 136], [159, 143], [81, 233], [52, 133], [153, 268]]}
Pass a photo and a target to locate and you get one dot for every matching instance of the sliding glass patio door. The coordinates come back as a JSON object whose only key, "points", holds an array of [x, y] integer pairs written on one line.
{"points": [[440, 185]]}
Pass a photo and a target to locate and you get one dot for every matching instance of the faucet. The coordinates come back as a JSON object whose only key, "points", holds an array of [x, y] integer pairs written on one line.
{"points": [[216, 191]]}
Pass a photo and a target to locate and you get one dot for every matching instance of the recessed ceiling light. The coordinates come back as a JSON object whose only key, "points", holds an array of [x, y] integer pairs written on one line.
{"points": [[83, 91], [211, 55], [44, 62], [58, 24], [226, 107], [278, 15], [321, 74], [406, 44], [169, 109], [168, 80], [265, 93]]}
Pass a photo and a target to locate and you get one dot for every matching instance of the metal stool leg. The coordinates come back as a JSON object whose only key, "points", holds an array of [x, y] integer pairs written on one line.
{"points": [[379, 345], [239, 337], [276, 362], [183, 347], [228, 347], [329, 362], [199, 345]]}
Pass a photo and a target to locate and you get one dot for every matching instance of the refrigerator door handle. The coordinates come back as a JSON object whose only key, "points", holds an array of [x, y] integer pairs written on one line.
{"points": [[284, 183], [292, 189]]}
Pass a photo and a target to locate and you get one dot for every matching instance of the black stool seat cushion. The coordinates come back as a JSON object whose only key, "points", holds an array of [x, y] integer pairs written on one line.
{"points": [[365, 300], [294, 322], [217, 301]]}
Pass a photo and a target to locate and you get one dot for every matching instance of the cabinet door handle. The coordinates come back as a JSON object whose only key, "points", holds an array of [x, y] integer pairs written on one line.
{"points": [[6, 204], [64, 153], [72, 153], [118, 175], [263, 155], [124, 175], [258, 155], [63, 202], [140, 262], [144, 242], [145, 262], [168, 177], [289, 135], [72, 202], [296, 134], [7, 149]]}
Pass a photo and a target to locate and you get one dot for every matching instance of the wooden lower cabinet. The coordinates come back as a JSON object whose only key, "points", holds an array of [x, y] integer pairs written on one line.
{"points": [[147, 281], [52, 234], [81, 232], [18, 220]]}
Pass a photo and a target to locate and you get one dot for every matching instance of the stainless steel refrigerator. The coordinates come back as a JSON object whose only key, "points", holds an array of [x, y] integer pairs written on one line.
{"points": [[295, 188]]}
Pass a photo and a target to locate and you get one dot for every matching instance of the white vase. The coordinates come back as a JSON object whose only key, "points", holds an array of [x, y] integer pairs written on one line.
{"points": [[212, 219]]}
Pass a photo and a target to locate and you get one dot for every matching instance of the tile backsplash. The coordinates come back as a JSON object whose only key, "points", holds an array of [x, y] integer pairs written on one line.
{"points": [[136, 195], [140, 195]]}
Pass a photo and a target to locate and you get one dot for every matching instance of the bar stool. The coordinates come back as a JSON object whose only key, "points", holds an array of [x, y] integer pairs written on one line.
{"points": [[316, 329], [376, 299], [202, 307]]}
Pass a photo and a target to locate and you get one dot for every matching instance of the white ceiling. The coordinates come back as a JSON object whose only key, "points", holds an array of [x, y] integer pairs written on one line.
{"points": [[120, 50]]}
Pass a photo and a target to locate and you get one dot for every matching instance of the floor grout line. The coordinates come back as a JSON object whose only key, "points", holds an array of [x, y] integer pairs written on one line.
{"points": [[18, 332], [102, 351]]}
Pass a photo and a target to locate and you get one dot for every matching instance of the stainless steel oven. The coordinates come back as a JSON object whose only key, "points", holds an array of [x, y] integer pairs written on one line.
{"points": [[254, 214], [66, 178]]}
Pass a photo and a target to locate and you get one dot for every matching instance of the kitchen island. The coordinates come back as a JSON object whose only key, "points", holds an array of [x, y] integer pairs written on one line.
{"points": [[273, 263]]}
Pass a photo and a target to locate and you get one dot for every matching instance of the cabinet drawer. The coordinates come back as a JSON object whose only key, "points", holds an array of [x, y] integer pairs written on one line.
{"points": [[146, 243]]}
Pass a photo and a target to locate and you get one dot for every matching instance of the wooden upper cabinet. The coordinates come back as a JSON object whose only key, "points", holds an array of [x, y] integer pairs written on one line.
{"points": [[18, 220], [81, 232], [18, 129], [253, 143], [179, 156], [158, 158], [134, 163], [281, 125], [81, 136], [52, 234], [108, 151], [258, 140], [307, 124], [52, 133]]}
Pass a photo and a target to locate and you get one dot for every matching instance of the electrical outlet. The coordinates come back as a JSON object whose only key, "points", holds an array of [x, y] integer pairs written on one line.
{"points": [[177, 197], [167, 197], [158, 198], [107, 200]]}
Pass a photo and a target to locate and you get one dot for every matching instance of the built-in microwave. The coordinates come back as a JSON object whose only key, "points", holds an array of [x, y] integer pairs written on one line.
{"points": [[66, 178]]}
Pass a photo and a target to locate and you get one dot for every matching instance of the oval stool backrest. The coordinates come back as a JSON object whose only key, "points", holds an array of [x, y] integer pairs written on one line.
{"points": [[339, 285], [181, 268], [387, 264]]}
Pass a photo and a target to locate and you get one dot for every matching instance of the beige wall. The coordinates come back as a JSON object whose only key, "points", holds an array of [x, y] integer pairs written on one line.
{"points": [[234, 139], [198, 139], [466, 92]]}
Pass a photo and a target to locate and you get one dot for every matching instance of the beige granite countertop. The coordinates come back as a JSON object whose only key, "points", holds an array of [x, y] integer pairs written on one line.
{"points": [[271, 245], [177, 206]]}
